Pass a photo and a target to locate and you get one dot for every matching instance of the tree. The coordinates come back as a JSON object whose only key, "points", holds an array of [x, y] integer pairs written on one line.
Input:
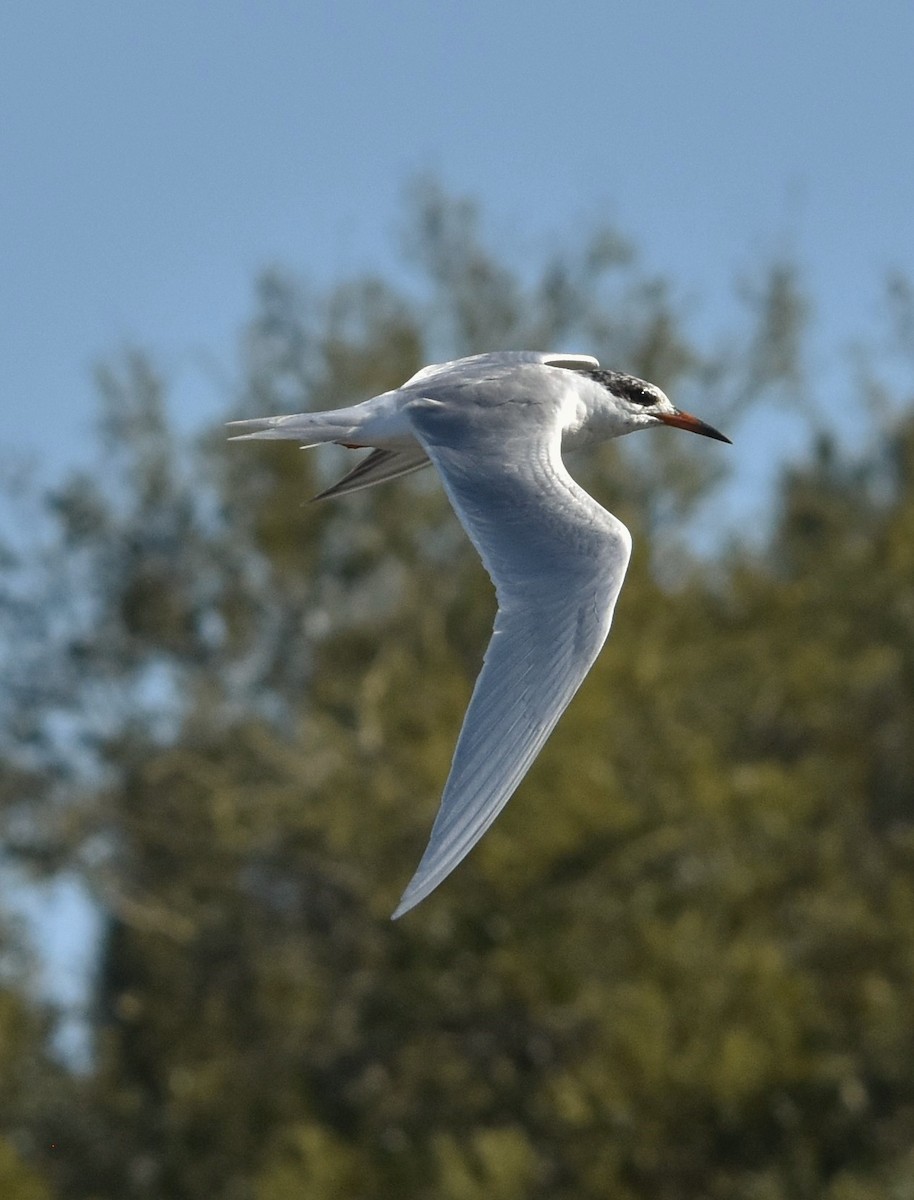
{"points": [[676, 967]]}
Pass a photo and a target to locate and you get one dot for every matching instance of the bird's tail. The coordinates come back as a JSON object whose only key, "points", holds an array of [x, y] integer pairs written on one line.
{"points": [[310, 429]]}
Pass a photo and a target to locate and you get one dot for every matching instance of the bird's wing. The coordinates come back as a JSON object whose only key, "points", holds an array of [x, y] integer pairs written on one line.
{"points": [[505, 359], [557, 560], [376, 468]]}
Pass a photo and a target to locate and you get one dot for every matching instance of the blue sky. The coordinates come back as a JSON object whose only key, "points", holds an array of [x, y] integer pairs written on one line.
{"points": [[154, 157]]}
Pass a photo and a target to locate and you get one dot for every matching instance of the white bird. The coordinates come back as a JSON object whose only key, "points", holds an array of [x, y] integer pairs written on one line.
{"points": [[495, 426]]}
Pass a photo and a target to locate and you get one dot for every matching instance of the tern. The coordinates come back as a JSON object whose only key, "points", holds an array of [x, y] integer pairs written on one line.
{"points": [[495, 426]]}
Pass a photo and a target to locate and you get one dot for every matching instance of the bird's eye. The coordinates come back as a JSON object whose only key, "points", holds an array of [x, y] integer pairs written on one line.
{"points": [[639, 394]]}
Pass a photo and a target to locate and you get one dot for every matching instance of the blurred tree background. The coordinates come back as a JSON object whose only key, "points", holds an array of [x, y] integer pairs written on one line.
{"points": [[681, 965]]}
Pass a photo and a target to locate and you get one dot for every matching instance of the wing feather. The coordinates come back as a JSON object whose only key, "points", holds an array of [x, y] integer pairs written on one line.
{"points": [[557, 560], [377, 467]]}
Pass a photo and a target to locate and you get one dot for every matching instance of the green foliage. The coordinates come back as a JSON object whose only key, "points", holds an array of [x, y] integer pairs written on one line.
{"points": [[680, 965], [17, 1181]]}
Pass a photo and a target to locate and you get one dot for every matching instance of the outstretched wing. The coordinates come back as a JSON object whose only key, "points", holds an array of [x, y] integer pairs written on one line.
{"points": [[557, 560]]}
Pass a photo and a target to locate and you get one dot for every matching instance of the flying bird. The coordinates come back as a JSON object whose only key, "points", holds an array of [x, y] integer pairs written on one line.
{"points": [[495, 427]]}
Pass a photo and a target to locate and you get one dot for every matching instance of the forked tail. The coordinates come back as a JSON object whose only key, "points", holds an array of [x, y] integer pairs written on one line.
{"points": [[310, 429], [346, 428]]}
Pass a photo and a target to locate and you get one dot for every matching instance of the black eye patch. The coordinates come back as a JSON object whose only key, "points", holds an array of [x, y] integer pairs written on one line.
{"points": [[636, 391]]}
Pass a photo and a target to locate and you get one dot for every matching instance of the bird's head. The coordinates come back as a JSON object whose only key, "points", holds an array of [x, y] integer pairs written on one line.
{"points": [[638, 404]]}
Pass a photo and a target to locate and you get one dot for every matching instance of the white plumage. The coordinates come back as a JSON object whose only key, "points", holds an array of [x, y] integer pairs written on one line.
{"points": [[494, 426]]}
